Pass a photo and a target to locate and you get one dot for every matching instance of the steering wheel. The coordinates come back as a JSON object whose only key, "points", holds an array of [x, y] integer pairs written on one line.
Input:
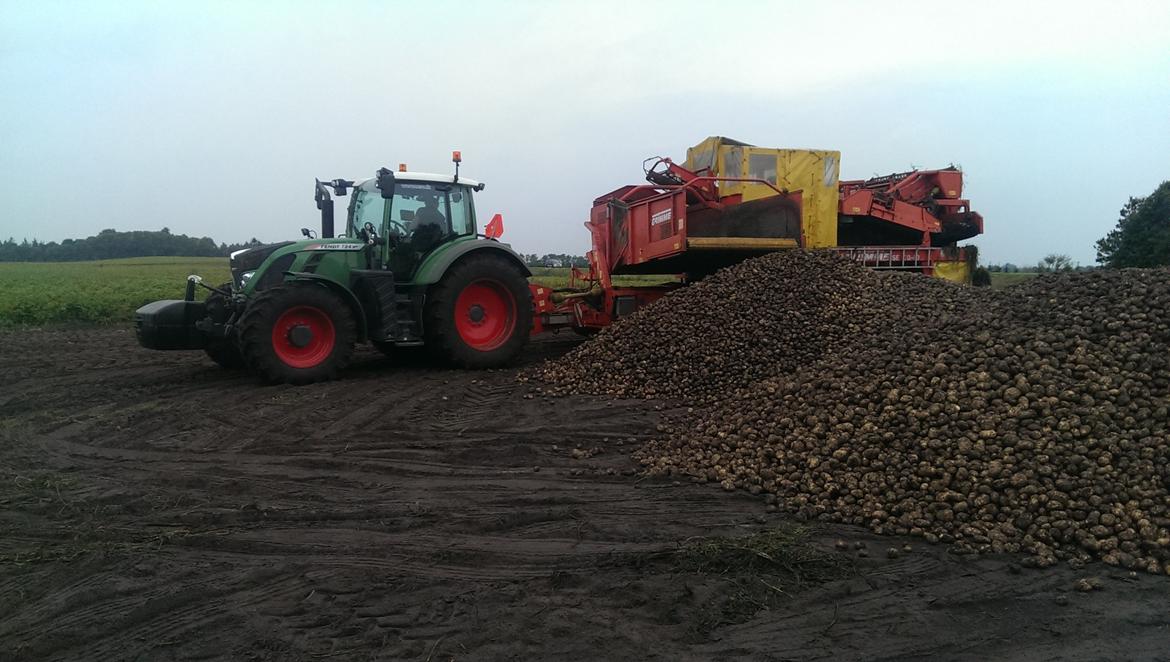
{"points": [[398, 228], [368, 234]]}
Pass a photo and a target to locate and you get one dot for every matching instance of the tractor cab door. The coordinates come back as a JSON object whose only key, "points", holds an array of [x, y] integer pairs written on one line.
{"points": [[421, 217]]}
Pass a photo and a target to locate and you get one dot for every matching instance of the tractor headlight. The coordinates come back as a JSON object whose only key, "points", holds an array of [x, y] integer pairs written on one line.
{"points": [[245, 277]]}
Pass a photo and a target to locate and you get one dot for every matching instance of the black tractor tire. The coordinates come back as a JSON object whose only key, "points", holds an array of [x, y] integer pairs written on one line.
{"points": [[480, 314], [297, 333], [224, 352]]}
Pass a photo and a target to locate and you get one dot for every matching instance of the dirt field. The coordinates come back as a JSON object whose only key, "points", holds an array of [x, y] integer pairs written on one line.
{"points": [[155, 507]]}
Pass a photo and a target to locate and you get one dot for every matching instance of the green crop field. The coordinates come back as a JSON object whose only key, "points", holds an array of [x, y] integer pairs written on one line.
{"points": [[1000, 280], [105, 291]]}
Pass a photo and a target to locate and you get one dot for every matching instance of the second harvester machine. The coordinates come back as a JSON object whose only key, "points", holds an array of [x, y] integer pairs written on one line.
{"points": [[731, 201]]}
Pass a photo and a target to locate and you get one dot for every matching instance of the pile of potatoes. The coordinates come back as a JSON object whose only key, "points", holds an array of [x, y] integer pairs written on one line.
{"points": [[1033, 420], [761, 318]]}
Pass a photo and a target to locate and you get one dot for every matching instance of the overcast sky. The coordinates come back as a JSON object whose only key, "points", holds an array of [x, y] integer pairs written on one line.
{"points": [[214, 118]]}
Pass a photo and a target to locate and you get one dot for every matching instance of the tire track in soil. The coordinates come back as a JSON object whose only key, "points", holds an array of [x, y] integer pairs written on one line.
{"points": [[411, 511]]}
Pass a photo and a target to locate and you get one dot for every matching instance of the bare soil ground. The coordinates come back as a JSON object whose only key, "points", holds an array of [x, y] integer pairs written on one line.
{"points": [[153, 506]]}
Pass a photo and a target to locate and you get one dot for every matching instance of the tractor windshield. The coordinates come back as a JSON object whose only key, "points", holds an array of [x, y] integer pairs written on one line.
{"points": [[418, 209], [366, 206]]}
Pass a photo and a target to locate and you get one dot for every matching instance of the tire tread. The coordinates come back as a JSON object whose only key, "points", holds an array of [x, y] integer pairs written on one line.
{"points": [[256, 333], [439, 324]]}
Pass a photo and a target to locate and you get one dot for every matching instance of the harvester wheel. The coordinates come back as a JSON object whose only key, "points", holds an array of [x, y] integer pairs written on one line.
{"points": [[225, 352], [297, 333], [480, 314]]}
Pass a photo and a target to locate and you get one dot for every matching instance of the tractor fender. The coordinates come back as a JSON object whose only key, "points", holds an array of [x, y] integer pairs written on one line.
{"points": [[343, 292], [432, 269]]}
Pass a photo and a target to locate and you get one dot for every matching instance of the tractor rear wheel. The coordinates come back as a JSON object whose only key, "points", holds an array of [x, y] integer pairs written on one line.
{"points": [[297, 333], [479, 315], [225, 352]]}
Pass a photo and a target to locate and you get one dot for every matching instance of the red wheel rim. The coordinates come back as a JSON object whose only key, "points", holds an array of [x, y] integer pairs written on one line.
{"points": [[303, 336], [485, 315]]}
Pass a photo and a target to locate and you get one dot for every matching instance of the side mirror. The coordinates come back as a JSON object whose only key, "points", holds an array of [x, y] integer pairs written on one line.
{"points": [[321, 194], [385, 183], [340, 186]]}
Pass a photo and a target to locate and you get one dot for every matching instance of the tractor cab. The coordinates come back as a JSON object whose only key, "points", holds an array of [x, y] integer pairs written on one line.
{"points": [[403, 225]]}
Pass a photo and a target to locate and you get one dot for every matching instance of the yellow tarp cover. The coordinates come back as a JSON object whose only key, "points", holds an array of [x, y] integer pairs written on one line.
{"points": [[956, 272], [813, 172]]}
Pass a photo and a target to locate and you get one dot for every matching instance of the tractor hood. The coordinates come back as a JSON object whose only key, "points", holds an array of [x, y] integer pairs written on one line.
{"points": [[250, 259]]}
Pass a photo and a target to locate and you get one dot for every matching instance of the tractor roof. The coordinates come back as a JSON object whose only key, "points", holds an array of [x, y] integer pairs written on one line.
{"points": [[409, 176]]}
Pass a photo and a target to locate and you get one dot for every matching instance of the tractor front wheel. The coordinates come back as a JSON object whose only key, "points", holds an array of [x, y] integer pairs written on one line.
{"points": [[480, 314], [297, 333]]}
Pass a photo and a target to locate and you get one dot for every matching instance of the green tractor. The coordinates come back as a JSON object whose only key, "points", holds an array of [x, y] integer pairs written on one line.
{"points": [[412, 269]]}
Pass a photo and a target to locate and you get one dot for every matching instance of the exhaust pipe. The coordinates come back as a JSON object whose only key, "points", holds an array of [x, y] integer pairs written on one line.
{"points": [[327, 220], [325, 204]]}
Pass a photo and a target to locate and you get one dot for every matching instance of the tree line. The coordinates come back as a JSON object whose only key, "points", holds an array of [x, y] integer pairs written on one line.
{"points": [[111, 244], [1052, 262], [1141, 237]]}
